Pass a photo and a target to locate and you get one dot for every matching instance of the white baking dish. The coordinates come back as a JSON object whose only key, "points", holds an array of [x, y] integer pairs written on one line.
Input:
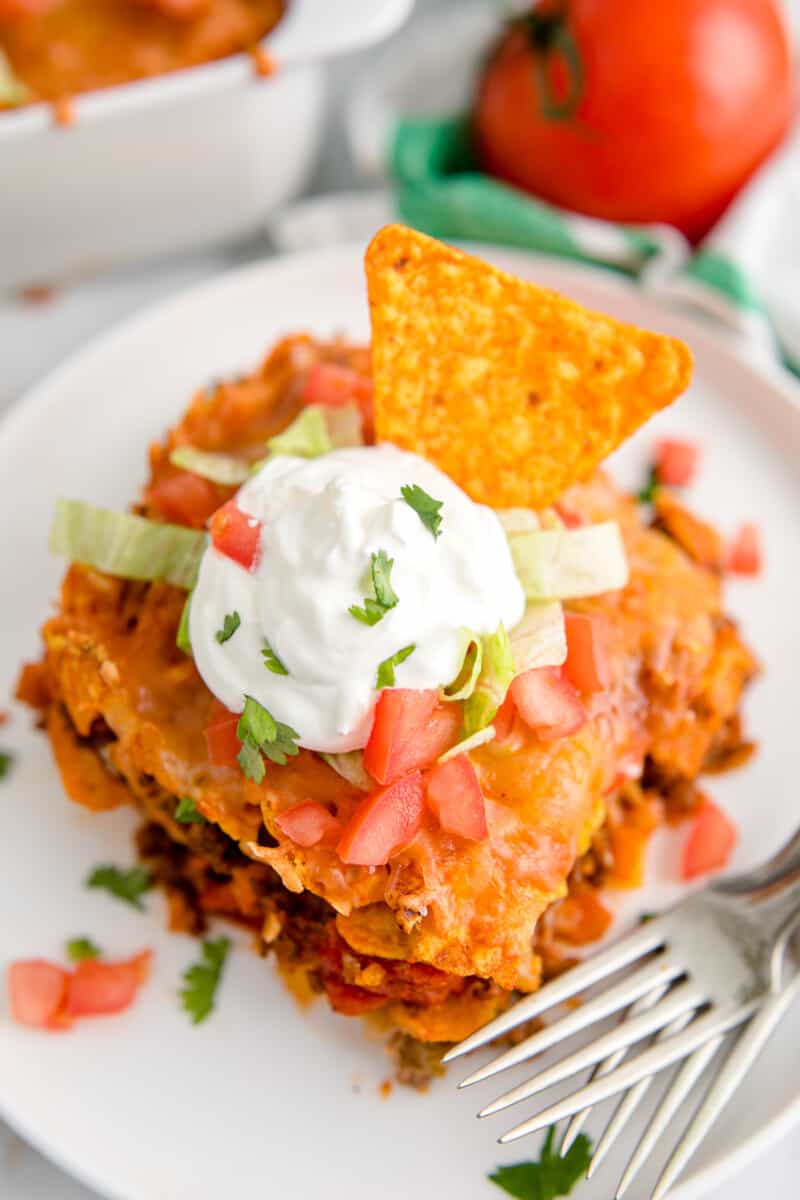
{"points": [[182, 160]]}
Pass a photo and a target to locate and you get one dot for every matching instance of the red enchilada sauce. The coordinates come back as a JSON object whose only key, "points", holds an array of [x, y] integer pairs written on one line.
{"points": [[59, 48]]}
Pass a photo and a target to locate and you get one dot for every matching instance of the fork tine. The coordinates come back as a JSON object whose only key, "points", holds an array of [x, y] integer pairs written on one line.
{"points": [[661, 1055], [678, 1090], [735, 1067], [620, 955], [606, 1067], [683, 998], [630, 1102], [658, 973]]}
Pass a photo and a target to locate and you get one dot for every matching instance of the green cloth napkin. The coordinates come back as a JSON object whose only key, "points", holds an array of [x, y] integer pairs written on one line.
{"points": [[440, 190]]}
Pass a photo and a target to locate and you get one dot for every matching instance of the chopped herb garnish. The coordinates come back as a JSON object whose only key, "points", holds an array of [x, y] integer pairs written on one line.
{"points": [[271, 660], [187, 812], [648, 493], [202, 979], [182, 639], [426, 508], [377, 606], [385, 676], [230, 624], [370, 614], [381, 579], [260, 733], [126, 884], [6, 762], [250, 760], [550, 1177], [256, 724], [283, 745], [79, 949]]}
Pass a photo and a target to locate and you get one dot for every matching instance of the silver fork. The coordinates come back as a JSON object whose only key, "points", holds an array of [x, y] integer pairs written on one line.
{"points": [[698, 971]]}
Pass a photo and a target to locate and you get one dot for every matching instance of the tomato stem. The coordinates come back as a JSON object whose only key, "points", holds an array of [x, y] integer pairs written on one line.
{"points": [[549, 34]]}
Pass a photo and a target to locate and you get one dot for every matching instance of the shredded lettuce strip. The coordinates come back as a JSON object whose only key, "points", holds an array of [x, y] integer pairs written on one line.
{"points": [[219, 468], [12, 90], [517, 520], [539, 640], [469, 743], [306, 437], [351, 767], [345, 425], [182, 639], [316, 430], [463, 685], [563, 564], [497, 671], [125, 545]]}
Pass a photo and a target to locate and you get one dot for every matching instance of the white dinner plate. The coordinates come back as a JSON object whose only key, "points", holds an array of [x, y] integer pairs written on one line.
{"points": [[266, 1099]]}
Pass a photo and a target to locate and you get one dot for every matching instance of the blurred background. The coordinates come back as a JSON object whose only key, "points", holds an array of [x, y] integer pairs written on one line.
{"points": [[652, 139], [655, 140]]}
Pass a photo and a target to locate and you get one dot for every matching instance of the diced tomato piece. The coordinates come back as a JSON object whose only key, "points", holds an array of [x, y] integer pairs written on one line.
{"points": [[185, 499], [330, 384], [308, 823], [587, 666], [350, 1000], [503, 719], [712, 838], [411, 729], [456, 800], [236, 534], [220, 734], [571, 519], [96, 988], [676, 461], [384, 822], [548, 703], [745, 555], [37, 991]]}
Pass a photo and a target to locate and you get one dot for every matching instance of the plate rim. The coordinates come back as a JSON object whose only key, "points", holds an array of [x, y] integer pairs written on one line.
{"points": [[35, 400]]}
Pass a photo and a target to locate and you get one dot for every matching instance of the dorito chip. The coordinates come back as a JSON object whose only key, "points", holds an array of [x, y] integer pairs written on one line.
{"points": [[513, 390]]}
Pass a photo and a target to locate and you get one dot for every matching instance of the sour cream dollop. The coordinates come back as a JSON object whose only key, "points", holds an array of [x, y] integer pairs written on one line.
{"points": [[322, 519]]}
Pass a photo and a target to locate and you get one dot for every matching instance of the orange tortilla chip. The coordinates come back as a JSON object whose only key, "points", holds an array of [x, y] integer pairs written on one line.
{"points": [[513, 390]]}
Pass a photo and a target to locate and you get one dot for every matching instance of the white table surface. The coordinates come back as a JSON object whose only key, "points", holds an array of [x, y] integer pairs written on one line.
{"points": [[33, 340]]}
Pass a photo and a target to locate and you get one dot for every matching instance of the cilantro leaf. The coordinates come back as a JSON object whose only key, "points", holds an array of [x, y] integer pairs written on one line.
{"points": [[250, 760], [126, 884], [202, 979], [6, 762], [230, 624], [385, 676], [271, 660], [260, 733], [79, 949], [283, 745], [648, 493], [551, 1176], [370, 614], [381, 579], [187, 812], [426, 508], [385, 596], [256, 724]]}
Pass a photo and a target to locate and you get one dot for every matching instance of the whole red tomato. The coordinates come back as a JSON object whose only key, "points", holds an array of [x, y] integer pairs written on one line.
{"points": [[634, 110]]}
